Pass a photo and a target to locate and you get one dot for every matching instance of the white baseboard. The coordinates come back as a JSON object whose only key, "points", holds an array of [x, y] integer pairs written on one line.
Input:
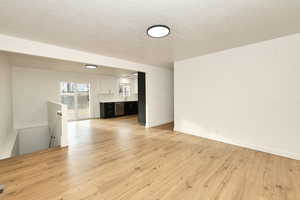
{"points": [[278, 152], [6, 149], [149, 125], [21, 127]]}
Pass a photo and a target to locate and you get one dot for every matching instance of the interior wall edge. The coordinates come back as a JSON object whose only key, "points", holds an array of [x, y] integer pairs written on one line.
{"points": [[155, 124]]}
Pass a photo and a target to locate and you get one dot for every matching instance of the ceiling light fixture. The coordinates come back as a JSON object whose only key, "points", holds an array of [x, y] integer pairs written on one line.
{"points": [[158, 31], [89, 66]]}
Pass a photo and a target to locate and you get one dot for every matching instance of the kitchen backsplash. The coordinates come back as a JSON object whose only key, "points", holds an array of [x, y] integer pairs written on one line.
{"points": [[112, 97]]}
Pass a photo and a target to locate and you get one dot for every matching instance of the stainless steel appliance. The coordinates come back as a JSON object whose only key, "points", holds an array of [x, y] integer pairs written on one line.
{"points": [[119, 108]]}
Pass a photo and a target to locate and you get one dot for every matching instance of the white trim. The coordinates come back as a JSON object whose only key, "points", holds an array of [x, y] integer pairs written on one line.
{"points": [[278, 152], [7, 148], [159, 124], [56, 102], [31, 126]]}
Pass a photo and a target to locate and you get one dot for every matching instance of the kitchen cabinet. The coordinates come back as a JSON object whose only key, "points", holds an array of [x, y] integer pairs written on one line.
{"points": [[131, 107], [108, 109]]}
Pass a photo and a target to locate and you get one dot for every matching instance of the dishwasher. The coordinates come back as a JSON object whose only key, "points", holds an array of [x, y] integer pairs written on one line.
{"points": [[119, 108]]}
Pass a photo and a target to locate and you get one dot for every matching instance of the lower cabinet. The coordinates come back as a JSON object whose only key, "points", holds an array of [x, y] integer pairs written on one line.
{"points": [[107, 110], [131, 108]]}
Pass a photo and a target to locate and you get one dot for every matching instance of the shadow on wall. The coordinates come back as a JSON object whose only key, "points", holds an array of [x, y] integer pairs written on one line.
{"points": [[33, 139], [53, 134]]}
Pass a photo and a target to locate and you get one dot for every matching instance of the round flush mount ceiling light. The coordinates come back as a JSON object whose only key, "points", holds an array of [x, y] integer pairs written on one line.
{"points": [[89, 66], [158, 31]]}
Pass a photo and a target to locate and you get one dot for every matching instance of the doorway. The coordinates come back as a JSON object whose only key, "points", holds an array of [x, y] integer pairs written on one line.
{"points": [[77, 98]]}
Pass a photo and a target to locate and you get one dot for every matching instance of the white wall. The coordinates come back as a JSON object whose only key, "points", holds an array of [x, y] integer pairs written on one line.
{"points": [[159, 97], [249, 96], [158, 83], [5, 99], [32, 139], [33, 88]]}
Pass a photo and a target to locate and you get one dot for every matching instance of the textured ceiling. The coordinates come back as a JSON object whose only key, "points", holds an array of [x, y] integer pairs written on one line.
{"points": [[20, 60], [118, 28]]}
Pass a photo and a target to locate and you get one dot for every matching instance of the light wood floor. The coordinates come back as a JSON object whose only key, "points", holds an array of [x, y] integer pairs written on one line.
{"points": [[119, 159]]}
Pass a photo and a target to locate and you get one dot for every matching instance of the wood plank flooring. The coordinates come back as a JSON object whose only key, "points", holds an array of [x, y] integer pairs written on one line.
{"points": [[117, 159]]}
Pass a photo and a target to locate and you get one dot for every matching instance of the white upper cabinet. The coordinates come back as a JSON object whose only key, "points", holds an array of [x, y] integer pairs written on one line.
{"points": [[108, 85], [135, 85]]}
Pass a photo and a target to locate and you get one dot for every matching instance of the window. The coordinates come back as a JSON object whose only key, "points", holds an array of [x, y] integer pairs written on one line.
{"points": [[82, 87], [76, 96], [67, 87], [125, 90]]}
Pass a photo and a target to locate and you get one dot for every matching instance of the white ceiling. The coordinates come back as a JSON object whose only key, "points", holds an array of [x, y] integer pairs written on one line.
{"points": [[118, 28], [27, 61]]}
